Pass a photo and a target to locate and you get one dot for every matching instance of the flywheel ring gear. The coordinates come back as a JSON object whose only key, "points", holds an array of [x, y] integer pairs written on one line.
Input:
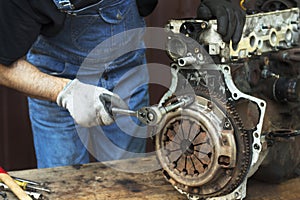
{"points": [[201, 155]]}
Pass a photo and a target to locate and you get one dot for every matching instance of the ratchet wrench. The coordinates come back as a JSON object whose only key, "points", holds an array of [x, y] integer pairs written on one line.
{"points": [[152, 115]]}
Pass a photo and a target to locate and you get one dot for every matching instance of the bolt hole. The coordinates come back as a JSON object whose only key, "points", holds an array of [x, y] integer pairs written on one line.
{"points": [[226, 69], [224, 160], [252, 41], [260, 44], [174, 66], [209, 154], [227, 125], [273, 38], [256, 147], [288, 35], [184, 171], [181, 62]]}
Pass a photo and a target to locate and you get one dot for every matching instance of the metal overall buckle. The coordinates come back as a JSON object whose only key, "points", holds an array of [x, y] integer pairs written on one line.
{"points": [[65, 5]]}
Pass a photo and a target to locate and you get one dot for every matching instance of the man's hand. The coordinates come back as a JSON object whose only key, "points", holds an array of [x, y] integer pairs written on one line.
{"points": [[85, 105], [230, 17]]}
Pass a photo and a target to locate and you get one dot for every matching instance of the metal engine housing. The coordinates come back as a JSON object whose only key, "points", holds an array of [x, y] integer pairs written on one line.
{"points": [[246, 108]]}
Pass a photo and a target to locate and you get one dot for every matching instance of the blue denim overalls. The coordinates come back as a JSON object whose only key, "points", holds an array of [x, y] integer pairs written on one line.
{"points": [[117, 64]]}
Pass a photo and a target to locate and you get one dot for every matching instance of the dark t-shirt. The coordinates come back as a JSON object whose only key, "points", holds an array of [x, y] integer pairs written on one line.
{"points": [[21, 21]]}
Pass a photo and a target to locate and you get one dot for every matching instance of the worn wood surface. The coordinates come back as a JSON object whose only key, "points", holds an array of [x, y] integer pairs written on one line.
{"points": [[99, 181]]}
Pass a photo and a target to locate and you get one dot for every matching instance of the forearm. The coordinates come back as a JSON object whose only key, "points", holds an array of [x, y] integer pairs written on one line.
{"points": [[26, 78]]}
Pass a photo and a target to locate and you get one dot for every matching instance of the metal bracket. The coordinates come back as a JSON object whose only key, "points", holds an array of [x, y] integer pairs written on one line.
{"points": [[261, 104]]}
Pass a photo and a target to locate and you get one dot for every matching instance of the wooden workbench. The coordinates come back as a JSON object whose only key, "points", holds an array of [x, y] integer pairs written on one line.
{"points": [[98, 181]]}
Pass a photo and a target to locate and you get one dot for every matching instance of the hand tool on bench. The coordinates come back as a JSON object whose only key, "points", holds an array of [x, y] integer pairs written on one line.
{"points": [[32, 185], [13, 186], [34, 195], [27, 181], [28, 185]]}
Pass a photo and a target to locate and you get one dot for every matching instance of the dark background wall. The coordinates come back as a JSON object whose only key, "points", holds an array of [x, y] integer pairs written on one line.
{"points": [[16, 145]]}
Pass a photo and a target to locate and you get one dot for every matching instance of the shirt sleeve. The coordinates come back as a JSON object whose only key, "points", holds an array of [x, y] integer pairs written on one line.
{"points": [[21, 22]]}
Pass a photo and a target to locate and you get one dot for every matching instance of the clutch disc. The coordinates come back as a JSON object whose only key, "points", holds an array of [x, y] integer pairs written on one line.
{"points": [[203, 148]]}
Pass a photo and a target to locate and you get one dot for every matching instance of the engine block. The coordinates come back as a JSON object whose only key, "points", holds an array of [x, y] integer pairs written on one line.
{"points": [[246, 110], [263, 32]]}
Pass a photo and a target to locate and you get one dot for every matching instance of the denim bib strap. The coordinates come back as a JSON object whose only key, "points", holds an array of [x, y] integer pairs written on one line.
{"points": [[64, 5]]}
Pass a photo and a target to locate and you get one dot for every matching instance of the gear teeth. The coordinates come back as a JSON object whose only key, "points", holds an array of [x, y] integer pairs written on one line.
{"points": [[243, 140]]}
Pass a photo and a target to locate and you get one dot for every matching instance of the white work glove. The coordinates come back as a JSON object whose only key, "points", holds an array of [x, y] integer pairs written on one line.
{"points": [[89, 105]]}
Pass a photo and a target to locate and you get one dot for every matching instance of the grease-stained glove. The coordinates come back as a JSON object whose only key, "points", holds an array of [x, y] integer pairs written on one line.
{"points": [[85, 105], [230, 18]]}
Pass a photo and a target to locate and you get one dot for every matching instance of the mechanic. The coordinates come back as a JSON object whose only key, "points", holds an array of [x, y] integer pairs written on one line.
{"points": [[43, 47]]}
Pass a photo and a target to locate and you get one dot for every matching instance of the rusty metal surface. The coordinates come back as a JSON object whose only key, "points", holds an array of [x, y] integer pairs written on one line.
{"points": [[262, 86]]}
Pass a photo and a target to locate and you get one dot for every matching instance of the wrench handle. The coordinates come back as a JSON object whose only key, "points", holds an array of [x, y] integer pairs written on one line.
{"points": [[121, 111]]}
